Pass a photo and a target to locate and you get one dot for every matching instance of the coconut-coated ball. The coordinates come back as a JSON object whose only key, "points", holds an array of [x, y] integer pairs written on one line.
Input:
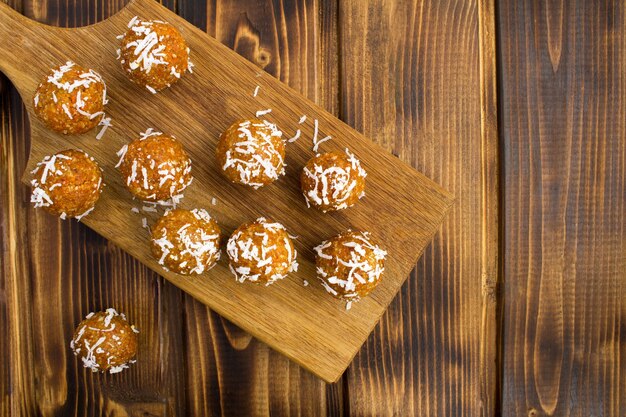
{"points": [[71, 99], [67, 184], [155, 167], [261, 252], [350, 265], [153, 54], [333, 181], [251, 152], [105, 341], [186, 241]]}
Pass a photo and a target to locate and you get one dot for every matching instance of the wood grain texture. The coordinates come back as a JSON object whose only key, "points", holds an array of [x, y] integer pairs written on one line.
{"points": [[419, 78], [564, 115], [562, 103], [301, 322]]}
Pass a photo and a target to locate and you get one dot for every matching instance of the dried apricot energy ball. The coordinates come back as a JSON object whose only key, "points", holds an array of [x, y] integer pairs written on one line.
{"points": [[251, 152], [186, 242], [333, 181], [71, 99], [153, 54], [155, 167], [67, 184], [105, 341], [350, 265], [261, 252]]}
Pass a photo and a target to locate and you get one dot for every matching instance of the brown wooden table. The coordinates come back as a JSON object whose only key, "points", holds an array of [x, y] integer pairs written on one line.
{"points": [[517, 308]]}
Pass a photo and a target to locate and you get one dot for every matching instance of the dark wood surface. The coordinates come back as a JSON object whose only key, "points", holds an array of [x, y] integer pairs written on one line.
{"points": [[564, 241], [517, 307]]}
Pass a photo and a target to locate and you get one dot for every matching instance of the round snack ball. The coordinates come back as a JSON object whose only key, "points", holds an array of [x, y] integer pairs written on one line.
{"points": [[105, 341], [350, 265], [261, 251], [155, 167], [251, 152], [153, 54], [67, 184], [71, 99], [333, 181], [186, 242]]}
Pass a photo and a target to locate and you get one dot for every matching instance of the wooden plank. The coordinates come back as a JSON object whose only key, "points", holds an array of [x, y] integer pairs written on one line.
{"points": [[18, 384], [564, 124], [233, 366], [419, 78], [55, 272]]}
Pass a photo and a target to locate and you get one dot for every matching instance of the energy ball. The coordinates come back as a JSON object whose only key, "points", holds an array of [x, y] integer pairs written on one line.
{"points": [[350, 265], [333, 181], [71, 99], [155, 167], [153, 54], [105, 341], [186, 242], [67, 184], [261, 252], [251, 152]]}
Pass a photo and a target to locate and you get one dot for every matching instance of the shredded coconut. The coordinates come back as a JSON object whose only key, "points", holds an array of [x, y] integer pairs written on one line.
{"points": [[260, 113]]}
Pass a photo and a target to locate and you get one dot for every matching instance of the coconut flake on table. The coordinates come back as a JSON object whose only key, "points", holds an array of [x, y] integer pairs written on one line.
{"points": [[173, 201], [149, 132], [260, 113], [80, 216], [302, 119], [256, 91], [121, 154], [105, 122], [295, 137], [319, 142]]}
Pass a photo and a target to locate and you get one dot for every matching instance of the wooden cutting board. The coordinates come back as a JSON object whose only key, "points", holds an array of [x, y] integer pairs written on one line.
{"points": [[402, 208]]}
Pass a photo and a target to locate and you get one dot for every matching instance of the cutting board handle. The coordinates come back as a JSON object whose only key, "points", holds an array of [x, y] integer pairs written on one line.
{"points": [[21, 43]]}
